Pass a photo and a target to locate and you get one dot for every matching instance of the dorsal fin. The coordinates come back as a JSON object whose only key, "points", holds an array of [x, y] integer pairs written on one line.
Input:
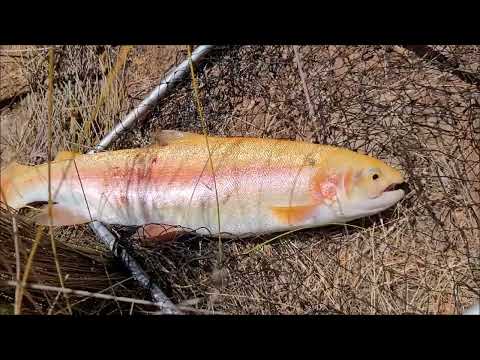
{"points": [[66, 155], [166, 137]]}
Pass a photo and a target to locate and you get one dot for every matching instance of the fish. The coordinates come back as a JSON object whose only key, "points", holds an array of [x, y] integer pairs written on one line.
{"points": [[234, 187]]}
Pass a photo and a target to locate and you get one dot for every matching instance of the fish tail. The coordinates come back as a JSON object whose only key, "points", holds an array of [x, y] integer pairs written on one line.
{"points": [[20, 186], [13, 187]]}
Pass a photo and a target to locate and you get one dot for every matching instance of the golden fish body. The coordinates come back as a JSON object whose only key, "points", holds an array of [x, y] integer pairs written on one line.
{"points": [[255, 186]]}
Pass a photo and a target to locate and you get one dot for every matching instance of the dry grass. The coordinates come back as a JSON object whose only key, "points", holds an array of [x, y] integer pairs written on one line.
{"points": [[423, 256], [80, 74], [83, 267]]}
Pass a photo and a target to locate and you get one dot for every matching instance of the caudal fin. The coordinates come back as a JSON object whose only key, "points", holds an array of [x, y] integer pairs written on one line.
{"points": [[22, 185], [12, 184]]}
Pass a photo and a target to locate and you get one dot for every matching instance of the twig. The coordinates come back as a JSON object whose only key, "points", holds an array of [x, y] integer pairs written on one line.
{"points": [[17, 256], [311, 111], [201, 114], [68, 291], [131, 264], [52, 306], [99, 295], [304, 81], [28, 267], [143, 109], [99, 292], [444, 63], [4, 51]]}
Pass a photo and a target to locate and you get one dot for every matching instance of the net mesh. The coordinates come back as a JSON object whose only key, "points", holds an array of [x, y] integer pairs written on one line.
{"points": [[418, 111]]}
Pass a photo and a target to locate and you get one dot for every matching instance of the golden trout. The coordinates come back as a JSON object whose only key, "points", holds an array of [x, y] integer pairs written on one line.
{"points": [[259, 185]]}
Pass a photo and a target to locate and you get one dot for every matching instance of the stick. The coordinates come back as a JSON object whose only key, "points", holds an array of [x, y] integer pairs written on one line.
{"points": [[142, 110], [64, 290], [136, 115], [304, 81], [444, 63], [136, 270]]}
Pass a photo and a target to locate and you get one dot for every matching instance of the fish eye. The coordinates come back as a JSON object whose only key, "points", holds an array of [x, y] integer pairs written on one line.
{"points": [[374, 174]]}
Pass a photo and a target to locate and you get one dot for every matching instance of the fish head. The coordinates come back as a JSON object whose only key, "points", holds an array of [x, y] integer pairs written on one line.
{"points": [[369, 186], [363, 185]]}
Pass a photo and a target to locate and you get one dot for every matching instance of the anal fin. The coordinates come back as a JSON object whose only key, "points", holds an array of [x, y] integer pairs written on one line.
{"points": [[158, 232], [61, 216]]}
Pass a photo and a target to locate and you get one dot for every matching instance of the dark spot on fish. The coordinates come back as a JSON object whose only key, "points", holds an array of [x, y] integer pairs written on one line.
{"points": [[309, 161], [116, 171], [227, 197], [207, 186]]}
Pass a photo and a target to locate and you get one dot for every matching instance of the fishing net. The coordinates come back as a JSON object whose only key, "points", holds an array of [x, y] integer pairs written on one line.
{"points": [[416, 109]]}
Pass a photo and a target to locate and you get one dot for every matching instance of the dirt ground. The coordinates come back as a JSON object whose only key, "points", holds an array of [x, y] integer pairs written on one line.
{"points": [[418, 114]]}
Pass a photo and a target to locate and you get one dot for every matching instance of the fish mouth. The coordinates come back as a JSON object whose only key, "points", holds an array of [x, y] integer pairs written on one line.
{"points": [[392, 194], [396, 186], [393, 188]]}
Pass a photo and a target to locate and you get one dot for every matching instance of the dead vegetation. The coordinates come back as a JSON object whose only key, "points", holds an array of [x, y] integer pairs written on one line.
{"points": [[423, 256]]}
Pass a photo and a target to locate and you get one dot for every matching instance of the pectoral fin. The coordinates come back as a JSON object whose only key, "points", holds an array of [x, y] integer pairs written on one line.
{"points": [[293, 214]]}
